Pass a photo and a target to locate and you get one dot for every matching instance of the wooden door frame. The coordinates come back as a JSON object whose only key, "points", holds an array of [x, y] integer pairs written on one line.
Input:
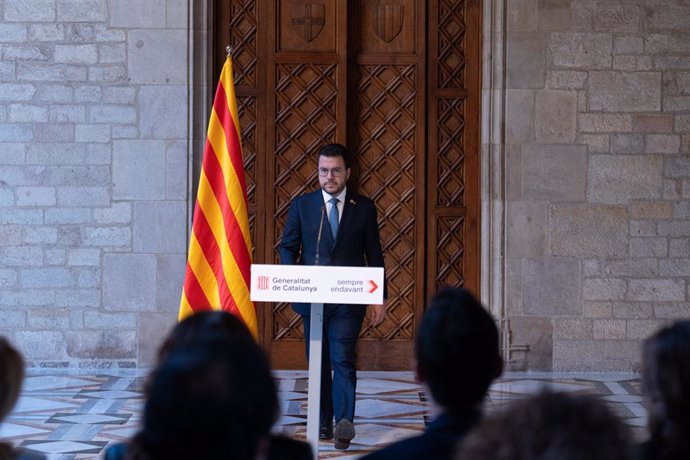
{"points": [[262, 217], [494, 278], [471, 212], [396, 354]]}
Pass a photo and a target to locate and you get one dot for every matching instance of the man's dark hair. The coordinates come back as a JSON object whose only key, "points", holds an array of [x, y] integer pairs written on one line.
{"points": [[11, 378], [208, 403], [211, 396], [457, 349], [203, 327], [666, 385], [335, 150], [549, 426]]}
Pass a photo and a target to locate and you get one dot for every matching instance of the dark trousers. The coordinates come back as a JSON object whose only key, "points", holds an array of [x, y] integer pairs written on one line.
{"points": [[341, 326]]}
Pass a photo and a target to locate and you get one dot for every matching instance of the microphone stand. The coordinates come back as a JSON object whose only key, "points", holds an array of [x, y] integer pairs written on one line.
{"points": [[317, 258], [315, 350]]}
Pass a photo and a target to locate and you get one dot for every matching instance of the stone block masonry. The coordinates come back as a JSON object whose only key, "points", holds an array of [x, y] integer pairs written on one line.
{"points": [[93, 177], [598, 112], [94, 151]]}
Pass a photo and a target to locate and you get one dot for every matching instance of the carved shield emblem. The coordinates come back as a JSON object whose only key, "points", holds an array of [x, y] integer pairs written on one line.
{"points": [[308, 20], [388, 20]]}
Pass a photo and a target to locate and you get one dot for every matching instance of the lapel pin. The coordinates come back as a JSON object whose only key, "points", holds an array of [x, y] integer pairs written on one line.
{"points": [[352, 201]]}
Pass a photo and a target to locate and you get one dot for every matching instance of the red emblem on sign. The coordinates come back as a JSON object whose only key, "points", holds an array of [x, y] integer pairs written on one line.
{"points": [[262, 282]]}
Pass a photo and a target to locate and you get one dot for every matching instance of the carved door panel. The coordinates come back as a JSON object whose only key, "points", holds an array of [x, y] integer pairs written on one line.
{"points": [[391, 80], [388, 133]]}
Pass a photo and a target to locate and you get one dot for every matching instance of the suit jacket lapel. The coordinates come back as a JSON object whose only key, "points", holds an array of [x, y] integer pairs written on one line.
{"points": [[348, 210]]}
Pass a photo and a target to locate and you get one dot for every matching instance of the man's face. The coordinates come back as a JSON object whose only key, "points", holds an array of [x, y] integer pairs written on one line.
{"points": [[332, 174]]}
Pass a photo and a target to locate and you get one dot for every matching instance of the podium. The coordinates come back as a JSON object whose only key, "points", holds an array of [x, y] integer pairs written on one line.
{"points": [[316, 284]]}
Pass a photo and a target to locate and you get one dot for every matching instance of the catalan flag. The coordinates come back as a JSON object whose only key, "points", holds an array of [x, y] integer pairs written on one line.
{"points": [[217, 275]]}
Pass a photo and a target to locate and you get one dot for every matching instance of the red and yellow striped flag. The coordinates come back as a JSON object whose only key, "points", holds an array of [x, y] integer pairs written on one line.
{"points": [[217, 275]]}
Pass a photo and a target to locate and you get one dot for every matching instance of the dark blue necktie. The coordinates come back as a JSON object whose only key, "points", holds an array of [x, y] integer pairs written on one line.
{"points": [[333, 217]]}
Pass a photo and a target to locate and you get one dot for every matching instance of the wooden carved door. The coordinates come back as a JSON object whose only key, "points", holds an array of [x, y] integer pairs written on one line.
{"points": [[397, 81]]}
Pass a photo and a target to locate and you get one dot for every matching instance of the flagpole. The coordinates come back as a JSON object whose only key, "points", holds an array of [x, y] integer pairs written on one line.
{"points": [[228, 49]]}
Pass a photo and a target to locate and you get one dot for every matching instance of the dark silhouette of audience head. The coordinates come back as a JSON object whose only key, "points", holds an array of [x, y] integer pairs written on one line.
{"points": [[549, 426], [457, 349], [666, 385], [204, 327], [11, 377], [212, 395]]}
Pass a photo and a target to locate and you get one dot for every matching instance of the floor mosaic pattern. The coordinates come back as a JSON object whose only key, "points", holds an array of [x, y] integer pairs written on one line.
{"points": [[75, 414]]}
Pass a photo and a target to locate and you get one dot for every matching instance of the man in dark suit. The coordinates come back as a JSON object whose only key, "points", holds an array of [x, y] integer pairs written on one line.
{"points": [[457, 358], [333, 226]]}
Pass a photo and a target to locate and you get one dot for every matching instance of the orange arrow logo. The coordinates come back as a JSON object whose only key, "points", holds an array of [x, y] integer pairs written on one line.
{"points": [[372, 286]]}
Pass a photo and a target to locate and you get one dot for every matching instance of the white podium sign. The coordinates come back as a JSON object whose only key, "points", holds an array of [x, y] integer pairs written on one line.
{"points": [[317, 284]]}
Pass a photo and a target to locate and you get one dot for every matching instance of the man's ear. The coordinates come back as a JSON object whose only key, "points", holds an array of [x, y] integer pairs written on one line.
{"points": [[348, 172]]}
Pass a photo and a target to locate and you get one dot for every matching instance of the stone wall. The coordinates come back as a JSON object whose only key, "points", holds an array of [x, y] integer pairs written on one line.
{"points": [[93, 177], [98, 113], [597, 188]]}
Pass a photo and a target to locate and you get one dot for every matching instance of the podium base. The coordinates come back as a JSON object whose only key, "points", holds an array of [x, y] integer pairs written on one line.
{"points": [[314, 382]]}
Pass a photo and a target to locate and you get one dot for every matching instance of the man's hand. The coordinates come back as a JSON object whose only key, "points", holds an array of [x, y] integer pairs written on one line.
{"points": [[378, 314]]}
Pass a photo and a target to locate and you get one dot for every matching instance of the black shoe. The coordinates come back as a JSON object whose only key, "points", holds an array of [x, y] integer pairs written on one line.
{"points": [[344, 433], [326, 432]]}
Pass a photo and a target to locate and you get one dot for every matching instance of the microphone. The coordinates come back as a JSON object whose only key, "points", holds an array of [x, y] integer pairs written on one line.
{"points": [[318, 237]]}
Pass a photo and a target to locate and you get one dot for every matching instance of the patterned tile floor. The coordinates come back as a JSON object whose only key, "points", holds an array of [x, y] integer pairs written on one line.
{"points": [[75, 414]]}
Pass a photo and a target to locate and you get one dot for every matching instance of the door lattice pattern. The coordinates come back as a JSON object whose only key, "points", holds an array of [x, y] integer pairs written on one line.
{"points": [[243, 39], [306, 119], [386, 138], [286, 323], [452, 210], [246, 109], [451, 266], [451, 42], [451, 155], [400, 86], [306, 97]]}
